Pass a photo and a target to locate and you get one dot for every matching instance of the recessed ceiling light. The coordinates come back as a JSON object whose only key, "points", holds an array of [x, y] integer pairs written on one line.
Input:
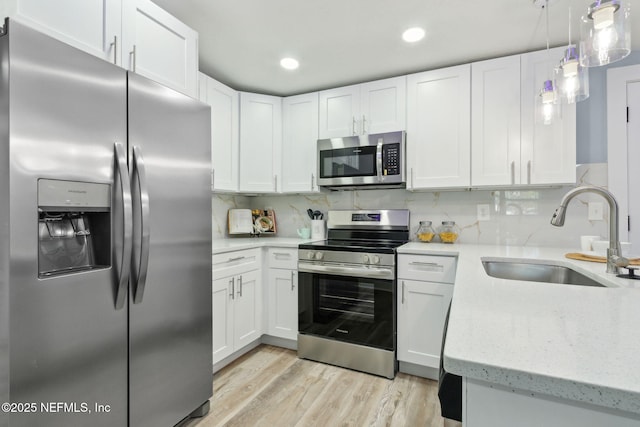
{"points": [[413, 34], [289, 63]]}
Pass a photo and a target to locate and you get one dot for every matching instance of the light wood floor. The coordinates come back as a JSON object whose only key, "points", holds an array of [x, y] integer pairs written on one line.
{"points": [[270, 386]]}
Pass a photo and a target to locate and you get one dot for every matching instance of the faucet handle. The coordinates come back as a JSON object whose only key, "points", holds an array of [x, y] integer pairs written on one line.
{"points": [[619, 261]]}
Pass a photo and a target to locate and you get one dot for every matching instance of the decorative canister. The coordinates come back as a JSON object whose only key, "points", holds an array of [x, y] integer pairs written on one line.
{"points": [[448, 232], [425, 231]]}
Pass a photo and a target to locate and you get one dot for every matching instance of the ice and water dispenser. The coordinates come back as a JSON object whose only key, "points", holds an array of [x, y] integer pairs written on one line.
{"points": [[74, 226]]}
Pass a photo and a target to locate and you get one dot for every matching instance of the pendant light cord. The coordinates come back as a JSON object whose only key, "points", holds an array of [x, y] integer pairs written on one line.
{"points": [[569, 25], [546, 8]]}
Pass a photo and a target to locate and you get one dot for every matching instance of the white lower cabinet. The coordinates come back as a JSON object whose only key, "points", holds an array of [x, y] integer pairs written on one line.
{"points": [[236, 301], [425, 288], [282, 288]]}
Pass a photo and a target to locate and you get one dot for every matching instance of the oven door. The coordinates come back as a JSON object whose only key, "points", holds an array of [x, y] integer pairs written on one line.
{"points": [[354, 304]]}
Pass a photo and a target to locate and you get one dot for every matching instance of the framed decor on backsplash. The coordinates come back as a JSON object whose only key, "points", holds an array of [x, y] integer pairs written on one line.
{"points": [[264, 221]]}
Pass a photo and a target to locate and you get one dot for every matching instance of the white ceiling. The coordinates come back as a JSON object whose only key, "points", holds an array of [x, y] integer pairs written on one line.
{"points": [[339, 42]]}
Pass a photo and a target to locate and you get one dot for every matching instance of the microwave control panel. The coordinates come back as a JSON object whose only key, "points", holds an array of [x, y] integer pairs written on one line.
{"points": [[391, 159]]}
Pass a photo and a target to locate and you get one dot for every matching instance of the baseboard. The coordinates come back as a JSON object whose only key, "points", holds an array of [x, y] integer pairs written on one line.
{"points": [[419, 370], [247, 348], [280, 342]]}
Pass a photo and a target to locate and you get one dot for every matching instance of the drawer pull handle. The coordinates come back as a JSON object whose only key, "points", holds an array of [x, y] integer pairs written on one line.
{"points": [[277, 254], [235, 259], [430, 264]]}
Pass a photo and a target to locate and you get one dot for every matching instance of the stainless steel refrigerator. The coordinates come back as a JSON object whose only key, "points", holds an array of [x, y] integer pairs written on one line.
{"points": [[105, 242]]}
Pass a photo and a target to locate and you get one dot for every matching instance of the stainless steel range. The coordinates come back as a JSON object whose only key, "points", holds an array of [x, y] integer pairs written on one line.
{"points": [[347, 291]]}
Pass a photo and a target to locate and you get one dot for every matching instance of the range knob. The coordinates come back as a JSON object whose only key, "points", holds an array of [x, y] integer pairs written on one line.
{"points": [[311, 255], [319, 255], [375, 259], [365, 258]]}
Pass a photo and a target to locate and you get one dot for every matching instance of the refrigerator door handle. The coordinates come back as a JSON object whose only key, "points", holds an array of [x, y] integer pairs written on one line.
{"points": [[139, 175], [127, 232]]}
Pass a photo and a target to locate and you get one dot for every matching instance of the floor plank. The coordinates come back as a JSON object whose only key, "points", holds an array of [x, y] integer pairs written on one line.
{"points": [[270, 386]]}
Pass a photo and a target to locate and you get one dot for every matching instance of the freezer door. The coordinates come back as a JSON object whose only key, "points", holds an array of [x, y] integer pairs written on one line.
{"points": [[67, 349], [170, 313]]}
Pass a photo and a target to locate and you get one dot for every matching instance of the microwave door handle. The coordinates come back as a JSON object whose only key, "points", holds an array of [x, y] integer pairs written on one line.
{"points": [[379, 159], [127, 233], [140, 175]]}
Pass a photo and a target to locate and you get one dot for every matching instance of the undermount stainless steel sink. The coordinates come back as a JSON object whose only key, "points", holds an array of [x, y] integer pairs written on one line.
{"points": [[536, 272]]}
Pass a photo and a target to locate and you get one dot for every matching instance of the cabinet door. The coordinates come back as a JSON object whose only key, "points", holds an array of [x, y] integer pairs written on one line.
{"points": [[158, 46], [283, 303], [422, 308], [260, 142], [247, 326], [383, 106], [299, 142], [339, 112], [91, 26], [222, 319], [495, 121], [548, 151], [439, 128], [225, 141]]}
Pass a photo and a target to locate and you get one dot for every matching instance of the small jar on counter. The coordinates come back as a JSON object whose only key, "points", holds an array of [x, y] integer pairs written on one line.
{"points": [[425, 231], [448, 232]]}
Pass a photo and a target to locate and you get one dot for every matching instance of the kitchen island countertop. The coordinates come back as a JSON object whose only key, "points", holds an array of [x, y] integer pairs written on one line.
{"points": [[574, 342]]}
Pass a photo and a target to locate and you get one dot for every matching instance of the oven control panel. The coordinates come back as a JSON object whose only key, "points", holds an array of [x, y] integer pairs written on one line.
{"points": [[343, 257]]}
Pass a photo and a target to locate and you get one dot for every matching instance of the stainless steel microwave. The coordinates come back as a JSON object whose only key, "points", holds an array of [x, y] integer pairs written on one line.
{"points": [[374, 161]]}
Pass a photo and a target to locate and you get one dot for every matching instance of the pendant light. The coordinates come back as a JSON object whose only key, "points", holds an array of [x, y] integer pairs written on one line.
{"points": [[547, 109], [572, 78], [605, 33]]}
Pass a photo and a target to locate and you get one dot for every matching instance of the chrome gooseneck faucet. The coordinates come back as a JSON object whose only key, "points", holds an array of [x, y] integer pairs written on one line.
{"points": [[615, 260]]}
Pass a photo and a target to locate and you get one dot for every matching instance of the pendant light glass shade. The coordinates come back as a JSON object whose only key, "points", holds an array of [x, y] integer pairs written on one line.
{"points": [[547, 108], [605, 33], [572, 79]]}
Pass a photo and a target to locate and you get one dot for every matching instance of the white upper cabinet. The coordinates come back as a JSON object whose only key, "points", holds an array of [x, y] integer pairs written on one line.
{"points": [[383, 105], [299, 141], [260, 142], [159, 46], [508, 147], [373, 107], [438, 128], [92, 26], [339, 109], [225, 141], [135, 34], [548, 152], [495, 121]]}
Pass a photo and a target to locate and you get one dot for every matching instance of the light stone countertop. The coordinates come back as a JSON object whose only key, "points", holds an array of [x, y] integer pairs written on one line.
{"points": [[231, 244], [575, 342]]}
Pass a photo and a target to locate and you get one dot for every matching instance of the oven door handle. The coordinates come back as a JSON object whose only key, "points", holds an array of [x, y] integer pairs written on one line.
{"points": [[378, 273]]}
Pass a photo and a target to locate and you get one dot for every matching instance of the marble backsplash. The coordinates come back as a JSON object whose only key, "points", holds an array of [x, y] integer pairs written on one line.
{"points": [[517, 217]]}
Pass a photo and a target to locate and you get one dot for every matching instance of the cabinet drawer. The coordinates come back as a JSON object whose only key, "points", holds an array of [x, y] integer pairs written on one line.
{"points": [[427, 268], [283, 258], [230, 263]]}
